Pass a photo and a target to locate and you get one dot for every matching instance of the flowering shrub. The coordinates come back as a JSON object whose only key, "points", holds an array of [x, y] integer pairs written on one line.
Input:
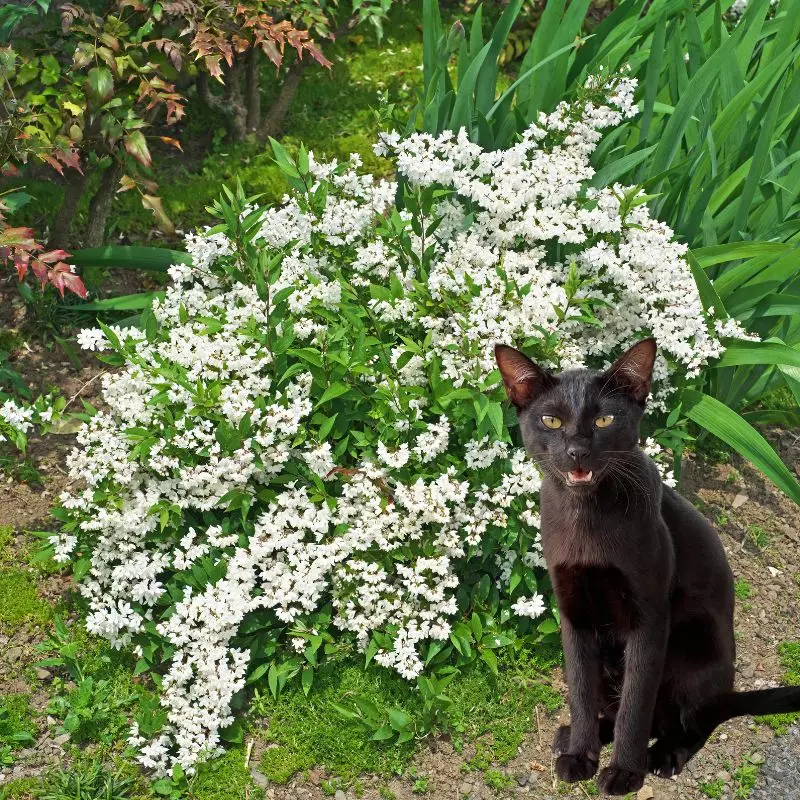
{"points": [[305, 451], [18, 417]]}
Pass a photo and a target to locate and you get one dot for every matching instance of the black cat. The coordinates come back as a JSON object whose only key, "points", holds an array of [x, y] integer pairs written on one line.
{"points": [[642, 583]]}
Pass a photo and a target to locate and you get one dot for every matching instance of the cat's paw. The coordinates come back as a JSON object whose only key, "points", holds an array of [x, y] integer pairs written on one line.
{"points": [[666, 761], [616, 781], [572, 768], [561, 739]]}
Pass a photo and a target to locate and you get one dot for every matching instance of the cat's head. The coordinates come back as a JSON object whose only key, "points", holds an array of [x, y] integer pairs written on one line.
{"points": [[581, 423]]}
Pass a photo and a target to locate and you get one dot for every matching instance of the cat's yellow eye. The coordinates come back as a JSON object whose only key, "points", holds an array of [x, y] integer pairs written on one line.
{"points": [[603, 422], [554, 423]]}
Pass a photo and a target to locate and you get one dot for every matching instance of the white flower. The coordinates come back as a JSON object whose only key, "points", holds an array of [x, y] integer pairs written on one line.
{"points": [[529, 606]]}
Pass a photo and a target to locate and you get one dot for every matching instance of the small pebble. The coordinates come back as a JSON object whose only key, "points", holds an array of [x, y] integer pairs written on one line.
{"points": [[259, 778], [757, 758], [723, 776]]}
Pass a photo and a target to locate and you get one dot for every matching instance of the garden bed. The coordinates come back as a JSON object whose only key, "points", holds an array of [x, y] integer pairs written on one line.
{"points": [[505, 747]]}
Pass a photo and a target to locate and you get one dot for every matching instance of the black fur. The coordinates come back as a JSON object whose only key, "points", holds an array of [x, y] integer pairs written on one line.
{"points": [[642, 582]]}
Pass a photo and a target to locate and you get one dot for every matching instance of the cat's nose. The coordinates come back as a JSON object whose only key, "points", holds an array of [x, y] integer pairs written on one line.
{"points": [[577, 451]]}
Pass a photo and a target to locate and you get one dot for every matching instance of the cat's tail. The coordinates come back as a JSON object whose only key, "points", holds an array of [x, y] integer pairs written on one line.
{"points": [[761, 702]]}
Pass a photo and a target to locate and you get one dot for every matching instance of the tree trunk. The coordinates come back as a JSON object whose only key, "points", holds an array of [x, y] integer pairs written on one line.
{"points": [[235, 107], [100, 205], [230, 104], [253, 91], [61, 232], [272, 124], [203, 92]]}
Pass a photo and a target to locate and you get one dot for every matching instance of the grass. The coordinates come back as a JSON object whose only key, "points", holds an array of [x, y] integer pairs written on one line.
{"points": [[494, 712], [19, 601], [742, 589], [20, 789], [789, 653], [224, 778]]}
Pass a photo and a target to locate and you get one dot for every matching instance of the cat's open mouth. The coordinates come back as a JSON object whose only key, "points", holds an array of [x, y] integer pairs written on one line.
{"points": [[580, 477]]}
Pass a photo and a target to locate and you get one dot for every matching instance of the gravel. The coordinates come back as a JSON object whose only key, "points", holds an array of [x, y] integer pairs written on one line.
{"points": [[780, 772]]}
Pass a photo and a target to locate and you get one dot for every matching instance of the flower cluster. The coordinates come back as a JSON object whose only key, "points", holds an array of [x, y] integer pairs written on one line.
{"points": [[308, 442]]}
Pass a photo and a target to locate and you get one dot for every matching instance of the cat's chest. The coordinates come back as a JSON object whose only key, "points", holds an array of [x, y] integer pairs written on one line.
{"points": [[596, 598], [575, 534]]}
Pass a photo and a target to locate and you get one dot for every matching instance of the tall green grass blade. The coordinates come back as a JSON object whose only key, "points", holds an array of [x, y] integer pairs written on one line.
{"points": [[727, 425], [708, 294], [614, 171], [652, 76], [759, 353], [152, 259], [463, 106], [486, 85], [127, 302], [690, 99], [758, 162]]}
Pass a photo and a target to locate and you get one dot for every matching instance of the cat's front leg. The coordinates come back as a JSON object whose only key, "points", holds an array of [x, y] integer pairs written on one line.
{"points": [[644, 663], [582, 655]]}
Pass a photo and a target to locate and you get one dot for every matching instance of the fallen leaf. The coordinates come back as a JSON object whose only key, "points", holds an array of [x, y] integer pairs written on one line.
{"points": [[739, 500]]}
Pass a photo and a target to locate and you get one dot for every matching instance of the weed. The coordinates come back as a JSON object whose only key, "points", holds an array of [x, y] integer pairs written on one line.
{"points": [[713, 789], [96, 703], [721, 519], [733, 476], [386, 793], [758, 536], [742, 589], [497, 780], [744, 779], [86, 782], [421, 785]]}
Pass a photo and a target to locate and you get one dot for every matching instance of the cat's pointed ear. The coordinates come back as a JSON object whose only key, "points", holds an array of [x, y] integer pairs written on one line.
{"points": [[522, 378], [633, 370]]}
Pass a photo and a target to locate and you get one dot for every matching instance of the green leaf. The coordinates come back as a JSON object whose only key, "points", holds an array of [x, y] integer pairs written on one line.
{"points": [[136, 145], [773, 352], [490, 659], [547, 626], [307, 679], [272, 680], [99, 86], [399, 719], [708, 294], [335, 390], [726, 424], [151, 259], [383, 733], [126, 302]]}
